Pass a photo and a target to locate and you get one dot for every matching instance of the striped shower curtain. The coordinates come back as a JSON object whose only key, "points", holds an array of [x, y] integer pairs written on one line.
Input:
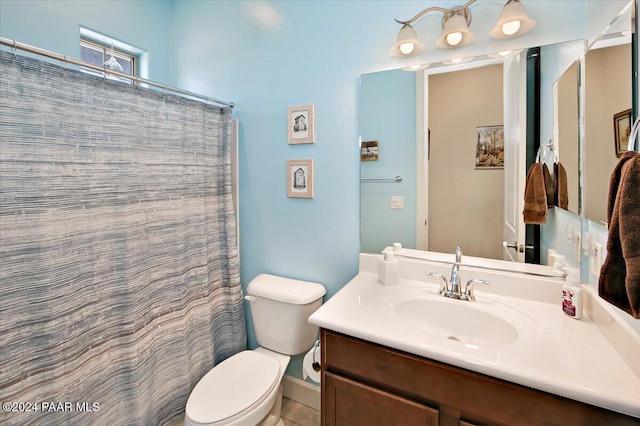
{"points": [[119, 276]]}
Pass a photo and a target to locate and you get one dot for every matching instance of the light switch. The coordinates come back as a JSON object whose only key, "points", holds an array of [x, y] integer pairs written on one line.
{"points": [[397, 203]]}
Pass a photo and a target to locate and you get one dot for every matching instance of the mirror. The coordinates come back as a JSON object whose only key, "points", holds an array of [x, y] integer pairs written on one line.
{"points": [[607, 112], [465, 200], [565, 130]]}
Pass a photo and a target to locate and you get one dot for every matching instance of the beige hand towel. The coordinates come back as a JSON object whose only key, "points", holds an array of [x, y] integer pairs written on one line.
{"points": [[619, 282], [561, 193], [535, 196]]}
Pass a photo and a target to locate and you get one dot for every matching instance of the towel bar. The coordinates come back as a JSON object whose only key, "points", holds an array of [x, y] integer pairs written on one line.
{"points": [[396, 179]]}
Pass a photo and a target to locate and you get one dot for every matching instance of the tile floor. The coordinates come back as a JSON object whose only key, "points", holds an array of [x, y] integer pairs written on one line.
{"points": [[293, 414], [296, 414]]}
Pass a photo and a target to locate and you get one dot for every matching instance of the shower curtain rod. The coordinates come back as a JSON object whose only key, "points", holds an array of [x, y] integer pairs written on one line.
{"points": [[32, 49]]}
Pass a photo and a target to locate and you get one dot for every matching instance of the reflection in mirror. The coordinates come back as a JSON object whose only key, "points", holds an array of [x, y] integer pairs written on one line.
{"points": [[466, 164], [471, 200], [607, 104], [465, 170], [565, 129], [388, 117]]}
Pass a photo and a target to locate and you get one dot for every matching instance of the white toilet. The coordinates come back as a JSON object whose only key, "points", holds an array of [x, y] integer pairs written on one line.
{"points": [[246, 389]]}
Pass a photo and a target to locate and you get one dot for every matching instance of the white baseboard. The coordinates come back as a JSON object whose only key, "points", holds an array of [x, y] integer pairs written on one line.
{"points": [[302, 392]]}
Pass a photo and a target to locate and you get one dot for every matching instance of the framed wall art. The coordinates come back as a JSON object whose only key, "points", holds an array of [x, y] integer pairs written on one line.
{"points": [[490, 147], [301, 124], [369, 151], [300, 178], [621, 131]]}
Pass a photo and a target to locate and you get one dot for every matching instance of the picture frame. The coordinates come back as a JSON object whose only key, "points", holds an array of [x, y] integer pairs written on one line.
{"points": [[369, 151], [489, 147], [300, 178], [301, 124], [621, 131]]}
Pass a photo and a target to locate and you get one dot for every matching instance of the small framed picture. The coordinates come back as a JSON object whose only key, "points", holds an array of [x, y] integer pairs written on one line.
{"points": [[300, 178], [369, 151], [621, 130], [490, 147], [301, 122]]}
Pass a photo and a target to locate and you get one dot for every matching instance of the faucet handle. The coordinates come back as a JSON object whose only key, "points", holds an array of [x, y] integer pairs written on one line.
{"points": [[468, 288], [443, 287]]}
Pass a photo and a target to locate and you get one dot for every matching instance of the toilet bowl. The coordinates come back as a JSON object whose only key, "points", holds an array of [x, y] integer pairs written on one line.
{"points": [[246, 389], [251, 393]]}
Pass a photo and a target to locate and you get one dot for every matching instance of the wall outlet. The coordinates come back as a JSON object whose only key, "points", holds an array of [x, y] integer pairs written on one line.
{"points": [[595, 261], [397, 203]]}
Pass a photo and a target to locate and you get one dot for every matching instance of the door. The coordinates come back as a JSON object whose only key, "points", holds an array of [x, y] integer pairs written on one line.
{"points": [[514, 156]]}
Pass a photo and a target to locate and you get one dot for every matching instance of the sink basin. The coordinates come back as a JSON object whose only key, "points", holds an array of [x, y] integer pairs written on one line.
{"points": [[458, 323], [482, 323]]}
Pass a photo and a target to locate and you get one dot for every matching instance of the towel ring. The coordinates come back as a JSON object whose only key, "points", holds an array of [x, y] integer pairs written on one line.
{"points": [[633, 135], [550, 147]]}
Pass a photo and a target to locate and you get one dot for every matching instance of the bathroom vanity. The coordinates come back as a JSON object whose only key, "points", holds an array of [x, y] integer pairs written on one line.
{"points": [[369, 384], [405, 355]]}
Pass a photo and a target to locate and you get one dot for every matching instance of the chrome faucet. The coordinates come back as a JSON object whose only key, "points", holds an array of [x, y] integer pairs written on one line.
{"points": [[455, 275], [452, 289]]}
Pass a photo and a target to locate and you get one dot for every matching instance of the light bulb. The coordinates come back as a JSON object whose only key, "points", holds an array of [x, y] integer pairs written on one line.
{"points": [[454, 38], [511, 27], [406, 48]]}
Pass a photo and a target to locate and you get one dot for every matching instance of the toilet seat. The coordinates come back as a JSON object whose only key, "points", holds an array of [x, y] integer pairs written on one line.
{"points": [[233, 388]]}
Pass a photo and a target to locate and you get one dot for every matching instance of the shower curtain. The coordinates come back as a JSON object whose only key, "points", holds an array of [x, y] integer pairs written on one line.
{"points": [[119, 276]]}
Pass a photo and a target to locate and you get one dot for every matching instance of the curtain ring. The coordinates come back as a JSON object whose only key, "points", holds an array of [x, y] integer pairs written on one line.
{"points": [[14, 50]]}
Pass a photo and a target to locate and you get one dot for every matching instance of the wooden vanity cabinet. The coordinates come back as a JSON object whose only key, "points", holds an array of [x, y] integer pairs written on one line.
{"points": [[368, 384]]}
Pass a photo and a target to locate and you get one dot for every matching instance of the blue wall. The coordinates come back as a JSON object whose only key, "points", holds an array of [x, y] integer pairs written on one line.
{"points": [[388, 115]]}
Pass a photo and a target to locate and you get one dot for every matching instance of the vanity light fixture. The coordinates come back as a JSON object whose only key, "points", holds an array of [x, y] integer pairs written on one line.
{"points": [[407, 42], [513, 22], [456, 31]]}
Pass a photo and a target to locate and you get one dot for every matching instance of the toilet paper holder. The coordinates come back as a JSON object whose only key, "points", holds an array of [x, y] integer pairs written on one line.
{"points": [[315, 364]]}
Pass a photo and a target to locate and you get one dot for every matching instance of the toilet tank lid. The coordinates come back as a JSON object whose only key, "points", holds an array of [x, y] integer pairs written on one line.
{"points": [[285, 290]]}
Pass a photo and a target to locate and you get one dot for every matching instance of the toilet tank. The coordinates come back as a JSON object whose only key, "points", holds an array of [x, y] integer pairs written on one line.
{"points": [[280, 309]]}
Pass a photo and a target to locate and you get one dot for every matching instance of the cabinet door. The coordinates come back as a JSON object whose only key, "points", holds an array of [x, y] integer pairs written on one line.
{"points": [[347, 403]]}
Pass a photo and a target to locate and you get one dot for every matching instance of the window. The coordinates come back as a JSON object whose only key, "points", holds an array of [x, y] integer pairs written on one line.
{"points": [[109, 57]]}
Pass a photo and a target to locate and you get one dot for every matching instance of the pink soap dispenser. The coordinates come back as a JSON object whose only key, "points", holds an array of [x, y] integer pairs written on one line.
{"points": [[572, 294]]}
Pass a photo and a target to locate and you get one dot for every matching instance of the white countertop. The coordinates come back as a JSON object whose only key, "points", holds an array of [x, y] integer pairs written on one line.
{"points": [[568, 357]]}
